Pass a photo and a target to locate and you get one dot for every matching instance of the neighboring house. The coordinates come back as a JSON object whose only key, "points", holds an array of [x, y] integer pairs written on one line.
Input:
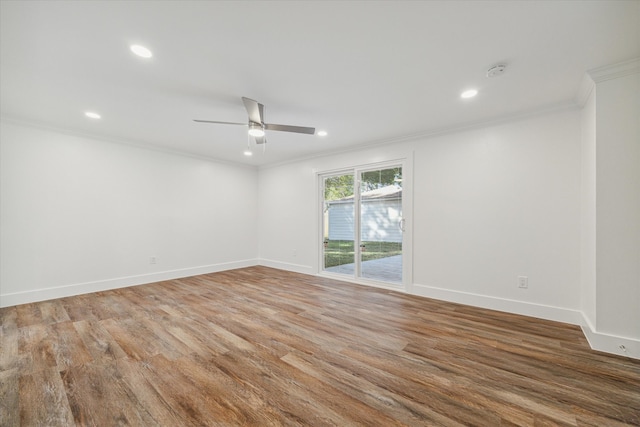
{"points": [[381, 215]]}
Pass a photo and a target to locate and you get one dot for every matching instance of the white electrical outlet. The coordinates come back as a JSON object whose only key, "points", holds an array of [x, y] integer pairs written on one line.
{"points": [[153, 260], [523, 282], [294, 253]]}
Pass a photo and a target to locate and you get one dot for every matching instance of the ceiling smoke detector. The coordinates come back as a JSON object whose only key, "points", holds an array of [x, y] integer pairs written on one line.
{"points": [[497, 70]]}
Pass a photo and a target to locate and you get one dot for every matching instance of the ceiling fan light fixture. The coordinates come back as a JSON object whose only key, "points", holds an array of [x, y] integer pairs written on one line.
{"points": [[256, 131]]}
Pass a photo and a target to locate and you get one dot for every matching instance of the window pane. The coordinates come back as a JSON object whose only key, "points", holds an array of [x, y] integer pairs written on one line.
{"points": [[380, 224], [338, 227]]}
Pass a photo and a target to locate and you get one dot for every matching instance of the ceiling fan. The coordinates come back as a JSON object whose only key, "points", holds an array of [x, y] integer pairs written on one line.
{"points": [[257, 126]]}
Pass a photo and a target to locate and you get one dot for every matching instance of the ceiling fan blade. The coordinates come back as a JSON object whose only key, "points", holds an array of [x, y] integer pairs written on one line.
{"points": [[260, 139], [222, 123], [287, 128], [254, 109]]}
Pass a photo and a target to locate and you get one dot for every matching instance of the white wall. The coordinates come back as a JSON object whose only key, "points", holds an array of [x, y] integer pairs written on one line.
{"points": [[610, 208], [588, 211], [289, 223], [553, 197], [489, 205], [618, 206], [79, 214], [288, 218], [498, 203]]}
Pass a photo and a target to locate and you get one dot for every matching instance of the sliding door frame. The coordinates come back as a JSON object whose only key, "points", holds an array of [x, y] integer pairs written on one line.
{"points": [[406, 163]]}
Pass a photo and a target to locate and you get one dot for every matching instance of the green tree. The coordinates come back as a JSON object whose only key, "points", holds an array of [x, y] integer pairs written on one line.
{"points": [[340, 186], [381, 178], [337, 187]]}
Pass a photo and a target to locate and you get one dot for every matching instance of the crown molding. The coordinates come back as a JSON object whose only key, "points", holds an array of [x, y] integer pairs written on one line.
{"points": [[463, 127], [587, 85], [6, 118], [614, 71], [602, 74]]}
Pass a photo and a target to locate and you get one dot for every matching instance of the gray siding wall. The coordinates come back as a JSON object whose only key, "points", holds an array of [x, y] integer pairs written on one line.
{"points": [[341, 221], [379, 221]]}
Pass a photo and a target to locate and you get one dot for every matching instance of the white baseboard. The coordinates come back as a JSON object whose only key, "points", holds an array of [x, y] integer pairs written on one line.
{"points": [[287, 266], [540, 311], [44, 294], [597, 341], [608, 343]]}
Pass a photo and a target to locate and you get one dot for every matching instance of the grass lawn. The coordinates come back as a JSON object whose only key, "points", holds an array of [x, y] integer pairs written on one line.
{"points": [[339, 252]]}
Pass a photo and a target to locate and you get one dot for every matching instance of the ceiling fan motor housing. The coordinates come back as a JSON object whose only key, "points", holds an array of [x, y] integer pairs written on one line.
{"points": [[257, 126]]}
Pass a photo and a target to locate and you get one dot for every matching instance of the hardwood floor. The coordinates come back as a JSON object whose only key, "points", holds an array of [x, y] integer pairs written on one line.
{"points": [[259, 346]]}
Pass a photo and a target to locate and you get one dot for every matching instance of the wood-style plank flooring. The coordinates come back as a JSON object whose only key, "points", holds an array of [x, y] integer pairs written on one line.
{"points": [[259, 346]]}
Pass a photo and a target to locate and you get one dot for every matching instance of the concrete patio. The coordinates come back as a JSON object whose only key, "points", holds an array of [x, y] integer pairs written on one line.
{"points": [[387, 269]]}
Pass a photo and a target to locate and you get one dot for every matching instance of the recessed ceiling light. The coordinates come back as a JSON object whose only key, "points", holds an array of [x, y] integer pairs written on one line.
{"points": [[322, 133], [92, 115], [469, 93], [141, 51], [248, 153]]}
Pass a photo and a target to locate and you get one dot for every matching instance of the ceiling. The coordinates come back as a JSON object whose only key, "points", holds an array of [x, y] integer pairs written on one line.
{"points": [[366, 72]]}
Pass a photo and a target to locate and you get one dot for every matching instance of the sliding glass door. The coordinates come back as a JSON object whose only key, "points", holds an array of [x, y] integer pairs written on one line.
{"points": [[338, 224], [363, 225], [381, 224]]}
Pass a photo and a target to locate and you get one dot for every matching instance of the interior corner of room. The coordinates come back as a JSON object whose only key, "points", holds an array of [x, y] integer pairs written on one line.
{"points": [[549, 195]]}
